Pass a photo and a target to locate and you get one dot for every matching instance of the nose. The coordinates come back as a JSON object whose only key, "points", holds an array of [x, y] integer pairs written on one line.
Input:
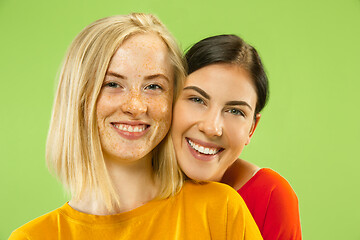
{"points": [[134, 105], [211, 124]]}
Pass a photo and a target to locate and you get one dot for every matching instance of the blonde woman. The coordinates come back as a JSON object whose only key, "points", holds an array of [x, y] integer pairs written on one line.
{"points": [[108, 144]]}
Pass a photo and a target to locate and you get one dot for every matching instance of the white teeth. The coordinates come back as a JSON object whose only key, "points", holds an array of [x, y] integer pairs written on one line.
{"points": [[129, 128], [203, 150]]}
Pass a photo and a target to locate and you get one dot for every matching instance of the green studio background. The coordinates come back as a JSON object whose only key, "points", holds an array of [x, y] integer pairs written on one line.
{"points": [[309, 131]]}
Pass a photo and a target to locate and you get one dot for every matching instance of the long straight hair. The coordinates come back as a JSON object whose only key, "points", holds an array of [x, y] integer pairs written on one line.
{"points": [[73, 150]]}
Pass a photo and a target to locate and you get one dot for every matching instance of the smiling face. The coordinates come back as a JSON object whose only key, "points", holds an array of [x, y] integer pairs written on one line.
{"points": [[135, 103], [213, 120]]}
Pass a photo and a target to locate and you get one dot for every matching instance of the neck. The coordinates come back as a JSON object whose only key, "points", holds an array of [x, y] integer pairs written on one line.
{"points": [[134, 185], [239, 173]]}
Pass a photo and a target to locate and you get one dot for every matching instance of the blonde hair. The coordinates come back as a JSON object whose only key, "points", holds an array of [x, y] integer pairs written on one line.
{"points": [[73, 150]]}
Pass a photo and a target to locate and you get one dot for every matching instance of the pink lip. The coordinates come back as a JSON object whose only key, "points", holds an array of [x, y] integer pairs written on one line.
{"points": [[200, 156], [132, 123], [131, 135]]}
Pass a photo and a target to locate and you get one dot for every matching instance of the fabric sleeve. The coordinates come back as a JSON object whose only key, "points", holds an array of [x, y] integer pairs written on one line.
{"points": [[18, 235], [282, 220], [240, 223]]}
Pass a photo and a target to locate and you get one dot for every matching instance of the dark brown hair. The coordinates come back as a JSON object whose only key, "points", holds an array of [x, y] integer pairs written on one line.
{"points": [[234, 50]]}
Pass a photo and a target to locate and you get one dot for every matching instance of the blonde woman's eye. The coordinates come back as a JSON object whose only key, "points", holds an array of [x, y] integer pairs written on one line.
{"points": [[154, 87], [112, 85]]}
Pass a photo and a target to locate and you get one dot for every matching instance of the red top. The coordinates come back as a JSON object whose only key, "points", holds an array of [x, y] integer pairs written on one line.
{"points": [[273, 204]]}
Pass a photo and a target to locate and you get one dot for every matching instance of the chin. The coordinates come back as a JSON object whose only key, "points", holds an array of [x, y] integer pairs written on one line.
{"points": [[198, 176]]}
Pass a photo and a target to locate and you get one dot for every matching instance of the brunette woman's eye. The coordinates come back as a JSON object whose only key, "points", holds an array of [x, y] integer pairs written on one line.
{"points": [[196, 100], [235, 111]]}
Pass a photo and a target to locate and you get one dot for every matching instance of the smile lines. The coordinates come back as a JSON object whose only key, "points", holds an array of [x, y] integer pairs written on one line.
{"points": [[130, 128], [202, 149]]}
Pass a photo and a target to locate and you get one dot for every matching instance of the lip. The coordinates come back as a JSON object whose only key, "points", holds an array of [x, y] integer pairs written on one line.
{"points": [[201, 156], [131, 135]]}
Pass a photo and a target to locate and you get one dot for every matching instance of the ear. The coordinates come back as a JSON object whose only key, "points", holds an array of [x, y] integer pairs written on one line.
{"points": [[253, 127]]}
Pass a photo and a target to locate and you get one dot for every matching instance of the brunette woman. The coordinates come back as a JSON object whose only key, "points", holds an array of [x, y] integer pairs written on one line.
{"points": [[216, 116]]}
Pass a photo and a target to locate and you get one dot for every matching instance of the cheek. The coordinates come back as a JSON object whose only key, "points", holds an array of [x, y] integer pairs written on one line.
{"points": [[239, 134], [182, 117], [106, 105], [102, 106], [160, 109]]}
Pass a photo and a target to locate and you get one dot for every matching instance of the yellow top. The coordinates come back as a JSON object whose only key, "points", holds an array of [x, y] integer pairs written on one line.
{"points": [[198, 211]]}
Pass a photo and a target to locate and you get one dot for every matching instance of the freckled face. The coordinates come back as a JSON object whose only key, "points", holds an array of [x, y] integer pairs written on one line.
{"points": [[213, 120], [135, 103]]}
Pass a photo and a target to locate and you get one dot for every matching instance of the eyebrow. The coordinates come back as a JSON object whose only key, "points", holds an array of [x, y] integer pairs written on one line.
{"points": [[207, 96], [159, 75], [199, 90], [149, 77], [115, 75], [236, 103]]}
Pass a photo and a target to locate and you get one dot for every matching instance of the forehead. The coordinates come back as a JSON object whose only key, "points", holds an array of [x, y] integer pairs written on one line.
{"points": [[144, 42], [142, 52], [225, 81]]}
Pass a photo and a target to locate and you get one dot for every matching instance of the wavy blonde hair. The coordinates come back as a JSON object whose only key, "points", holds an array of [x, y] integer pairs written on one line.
{"points": [[73, 150]]}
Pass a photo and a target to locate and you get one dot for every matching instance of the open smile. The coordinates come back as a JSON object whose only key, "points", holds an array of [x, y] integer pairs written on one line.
{"points": [[203, 151], [131, 131]]}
